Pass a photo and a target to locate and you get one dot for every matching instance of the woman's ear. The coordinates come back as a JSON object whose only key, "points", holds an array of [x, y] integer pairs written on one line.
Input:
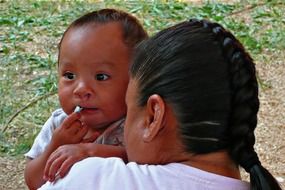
{"points": [[155, 116]]}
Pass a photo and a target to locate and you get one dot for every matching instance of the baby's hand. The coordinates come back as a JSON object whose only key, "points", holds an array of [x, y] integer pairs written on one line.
{"points": [[61, 160], [71, 131]]}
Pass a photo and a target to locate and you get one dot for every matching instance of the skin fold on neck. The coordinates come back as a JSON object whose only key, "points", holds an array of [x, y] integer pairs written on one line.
{"points": [[217, 162]]}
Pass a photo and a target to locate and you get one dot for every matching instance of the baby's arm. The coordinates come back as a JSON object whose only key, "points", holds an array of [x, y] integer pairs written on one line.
{"points": [[35, 167], [61, 160], [69, 132]]}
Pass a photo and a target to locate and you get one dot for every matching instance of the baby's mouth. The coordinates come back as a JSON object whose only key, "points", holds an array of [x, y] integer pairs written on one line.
{"points": [[79, 109], [88, 110]]}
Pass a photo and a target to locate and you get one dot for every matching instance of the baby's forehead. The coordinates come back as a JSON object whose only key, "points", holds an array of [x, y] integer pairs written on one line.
{"points": [[100, 44], [107, 37], [107, 31], [91, 65]]}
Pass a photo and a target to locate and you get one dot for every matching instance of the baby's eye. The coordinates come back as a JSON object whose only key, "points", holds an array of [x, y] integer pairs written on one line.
{"points": [[69, 75], [102, 77]]}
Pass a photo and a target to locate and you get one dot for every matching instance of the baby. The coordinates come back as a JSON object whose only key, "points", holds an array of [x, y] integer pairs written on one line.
{"points": [[94, 56]]}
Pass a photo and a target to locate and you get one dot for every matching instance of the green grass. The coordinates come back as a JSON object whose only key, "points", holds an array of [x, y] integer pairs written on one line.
{"points": [[30, 31]]}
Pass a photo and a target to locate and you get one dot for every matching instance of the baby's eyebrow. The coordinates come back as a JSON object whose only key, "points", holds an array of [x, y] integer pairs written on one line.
{"points": [[110, 64]]}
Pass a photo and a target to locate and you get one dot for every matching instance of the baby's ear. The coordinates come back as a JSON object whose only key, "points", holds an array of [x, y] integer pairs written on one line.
{"points": [[155, 116]]}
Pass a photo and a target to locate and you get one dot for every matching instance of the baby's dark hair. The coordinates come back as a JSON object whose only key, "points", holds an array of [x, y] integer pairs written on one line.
{"points": [[204, 73], [133, 31]]}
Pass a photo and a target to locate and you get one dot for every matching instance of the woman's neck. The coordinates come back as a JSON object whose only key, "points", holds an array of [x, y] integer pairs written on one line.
{"points": [[218, 162]]}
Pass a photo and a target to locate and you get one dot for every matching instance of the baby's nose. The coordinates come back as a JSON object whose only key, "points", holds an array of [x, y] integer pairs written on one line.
{"points": [[83, 91]]}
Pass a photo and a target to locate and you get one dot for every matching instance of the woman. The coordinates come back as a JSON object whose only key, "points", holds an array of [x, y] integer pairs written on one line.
{"points": [[192, 110]]}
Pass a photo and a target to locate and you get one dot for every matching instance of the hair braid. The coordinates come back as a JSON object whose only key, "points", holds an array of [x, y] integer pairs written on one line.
{"points": [[244, 90], [244, 107], [245, 103]]}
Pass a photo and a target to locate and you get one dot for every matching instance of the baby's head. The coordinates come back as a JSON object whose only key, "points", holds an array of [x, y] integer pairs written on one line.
{"points": [[93, 61]]}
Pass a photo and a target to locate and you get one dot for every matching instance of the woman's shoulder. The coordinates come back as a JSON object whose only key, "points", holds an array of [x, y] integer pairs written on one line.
{"points": [[98, 164], [105, 172]]}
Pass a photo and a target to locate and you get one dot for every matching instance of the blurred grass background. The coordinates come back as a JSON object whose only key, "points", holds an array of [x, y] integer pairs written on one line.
{"points": [[30, 31]]}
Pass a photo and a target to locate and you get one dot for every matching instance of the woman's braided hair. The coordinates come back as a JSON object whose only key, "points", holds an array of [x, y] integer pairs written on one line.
{"points": [[208, 78], [244, 95]]}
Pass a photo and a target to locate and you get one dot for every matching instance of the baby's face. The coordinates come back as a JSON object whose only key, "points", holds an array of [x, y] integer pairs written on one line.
{"points": [[93, 73]]}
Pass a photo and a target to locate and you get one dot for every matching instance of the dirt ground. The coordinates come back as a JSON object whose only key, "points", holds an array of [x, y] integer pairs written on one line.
{"points": [[11, 173]]}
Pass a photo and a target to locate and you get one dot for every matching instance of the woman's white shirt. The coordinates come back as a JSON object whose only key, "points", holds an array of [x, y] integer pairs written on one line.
{"points": [[112, 173]]}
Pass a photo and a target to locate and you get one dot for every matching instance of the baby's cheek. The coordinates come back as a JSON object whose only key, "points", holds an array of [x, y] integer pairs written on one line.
{"points": [[65, 103]]}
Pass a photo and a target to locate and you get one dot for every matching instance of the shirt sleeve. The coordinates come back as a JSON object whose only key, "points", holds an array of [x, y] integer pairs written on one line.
{"points": [[44, 137], [92, 171]]}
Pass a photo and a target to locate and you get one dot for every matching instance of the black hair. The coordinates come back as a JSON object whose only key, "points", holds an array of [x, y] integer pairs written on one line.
{"points": [[133, 31], [204, 73]]}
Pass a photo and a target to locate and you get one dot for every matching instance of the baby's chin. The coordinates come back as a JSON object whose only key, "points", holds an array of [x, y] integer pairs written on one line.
{"points": [[95, 125]]}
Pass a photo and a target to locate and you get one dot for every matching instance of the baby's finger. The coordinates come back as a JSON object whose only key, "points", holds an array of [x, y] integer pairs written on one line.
{"points": [[68, 121], [54, 168], [75, 127], [65, 167], [49, 162], [83, 130]]}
